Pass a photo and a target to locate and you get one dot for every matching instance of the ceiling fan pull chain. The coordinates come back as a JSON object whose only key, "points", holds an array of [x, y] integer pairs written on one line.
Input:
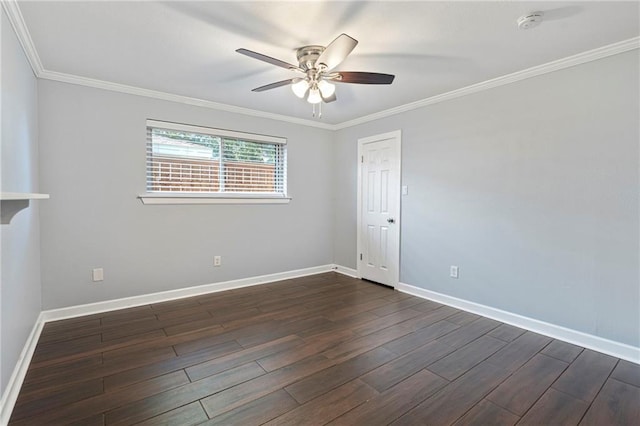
{"points": [[313, 106], [320, 109]]}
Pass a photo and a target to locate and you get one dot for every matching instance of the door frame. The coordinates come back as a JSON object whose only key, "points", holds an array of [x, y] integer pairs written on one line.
{"points": [[397, 136]]}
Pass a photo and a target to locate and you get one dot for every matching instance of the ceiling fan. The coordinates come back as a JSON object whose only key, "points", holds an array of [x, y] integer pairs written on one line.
{"points": [[317, 64]]}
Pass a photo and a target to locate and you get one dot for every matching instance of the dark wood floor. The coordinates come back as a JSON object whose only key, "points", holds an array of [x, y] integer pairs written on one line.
{"points": [[316, 350]]}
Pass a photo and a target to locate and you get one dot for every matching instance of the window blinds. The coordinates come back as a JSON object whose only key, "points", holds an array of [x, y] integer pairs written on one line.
{"points": [[192, 159]]}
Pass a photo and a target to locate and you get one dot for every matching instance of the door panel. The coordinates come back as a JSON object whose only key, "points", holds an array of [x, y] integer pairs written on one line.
{"points": [[379, 208], [384, 241]]}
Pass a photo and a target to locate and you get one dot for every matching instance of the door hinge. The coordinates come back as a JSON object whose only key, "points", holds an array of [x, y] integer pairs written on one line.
{"points": [[360, 256]]}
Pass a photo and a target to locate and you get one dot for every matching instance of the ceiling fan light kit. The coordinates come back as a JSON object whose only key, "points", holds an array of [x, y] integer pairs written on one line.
{"points": [[300, 88], [314, 95], [317, 63]]}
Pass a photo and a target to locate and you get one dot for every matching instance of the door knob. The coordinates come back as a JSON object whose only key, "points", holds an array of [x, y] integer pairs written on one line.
{"points": [[391, 220]]}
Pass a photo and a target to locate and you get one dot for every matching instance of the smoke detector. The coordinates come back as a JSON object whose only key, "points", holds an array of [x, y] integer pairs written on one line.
{"points": [[530, 20]]}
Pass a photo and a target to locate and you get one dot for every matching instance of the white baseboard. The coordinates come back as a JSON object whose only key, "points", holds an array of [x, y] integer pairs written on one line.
{"points": [[165, 296], [619, 350], [346, 271], [10, 394], [609, 347]]}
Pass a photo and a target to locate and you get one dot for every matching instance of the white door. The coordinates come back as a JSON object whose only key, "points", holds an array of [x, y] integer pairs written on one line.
{"points": [[379, 208]]}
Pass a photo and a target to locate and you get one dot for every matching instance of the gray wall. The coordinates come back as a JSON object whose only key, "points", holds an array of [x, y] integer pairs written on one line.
{"points": [[93, 151], [20, 285], [530, 188]]}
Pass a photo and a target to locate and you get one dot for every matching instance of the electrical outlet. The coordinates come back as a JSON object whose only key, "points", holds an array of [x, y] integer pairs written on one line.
{"points": [[98, 274], [453, 271], [217, 260]]}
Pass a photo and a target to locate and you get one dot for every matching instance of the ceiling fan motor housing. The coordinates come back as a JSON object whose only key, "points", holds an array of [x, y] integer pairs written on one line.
{"points": [[308, 55]]}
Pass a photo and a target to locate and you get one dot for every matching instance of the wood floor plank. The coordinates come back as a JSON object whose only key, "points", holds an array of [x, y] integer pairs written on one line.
{"points": [[586, 375], [95, 420], [155, 369], [386, 321], [463, 318], [313, 346], [520, 391], [346, 323], [163, 402], [69, 325], [427, 306], [627, 372], [617, 404], [393, 307], [282, 330], [70, 351], [562, 350], [488, 413], [327, 407], [506, 332], [459, 362], [327, 379], [73, 332], [251, 390], [350, 310], [414, 340], [187, 415], [515, 354], [258, 411], [113, 365], [555, 408], [50, 377], [395, 371], [360, 345], [114, 360], [215, 365], [59, 397], [106, 401], [391, 404], [57, 350], [431, 317], [469, 332], [221, 335], [455, 399], [321, 349]]}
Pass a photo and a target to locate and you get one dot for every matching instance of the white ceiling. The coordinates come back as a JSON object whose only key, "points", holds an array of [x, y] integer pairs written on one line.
{"points": [[188, 48]]}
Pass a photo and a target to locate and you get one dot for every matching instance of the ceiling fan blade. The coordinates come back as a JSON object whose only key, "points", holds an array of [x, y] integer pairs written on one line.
{"points": [[276, 84], [364, 77], [328, 98], [337, 51], [268, 59]]}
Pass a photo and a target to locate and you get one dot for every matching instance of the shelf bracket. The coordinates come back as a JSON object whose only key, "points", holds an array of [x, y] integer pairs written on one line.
{"points": [[12, 202], [9, 208]]}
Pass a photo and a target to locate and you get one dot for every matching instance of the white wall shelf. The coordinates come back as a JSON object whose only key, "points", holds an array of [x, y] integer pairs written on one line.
{"points": [[12, 202]]}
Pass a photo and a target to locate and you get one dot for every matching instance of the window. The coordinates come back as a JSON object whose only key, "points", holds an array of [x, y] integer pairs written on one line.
{"points": [[201, 162]]}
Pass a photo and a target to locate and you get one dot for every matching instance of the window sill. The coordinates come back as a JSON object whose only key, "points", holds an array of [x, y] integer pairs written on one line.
{"points": [[158, 198]]}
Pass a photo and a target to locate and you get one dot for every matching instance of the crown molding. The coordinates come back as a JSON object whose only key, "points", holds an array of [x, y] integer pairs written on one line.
{"points": [[20, 28], [570, 61], [15, 17], [132, 90]]}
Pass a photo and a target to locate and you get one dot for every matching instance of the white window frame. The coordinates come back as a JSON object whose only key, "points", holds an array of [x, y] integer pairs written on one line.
{"points": [[215, 197]]}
